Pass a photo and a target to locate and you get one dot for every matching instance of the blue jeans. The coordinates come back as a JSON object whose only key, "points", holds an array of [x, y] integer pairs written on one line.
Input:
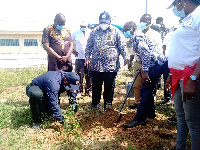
{"points": [[188, 118], [147, 107]]}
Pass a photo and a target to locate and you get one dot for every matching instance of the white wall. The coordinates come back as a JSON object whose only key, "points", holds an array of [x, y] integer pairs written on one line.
{"points": [[21, 49]]}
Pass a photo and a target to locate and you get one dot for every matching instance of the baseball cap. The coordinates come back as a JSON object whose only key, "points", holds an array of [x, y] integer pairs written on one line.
{"points": [[73, 78], [83, 23], [171, 4], [104, 17]]}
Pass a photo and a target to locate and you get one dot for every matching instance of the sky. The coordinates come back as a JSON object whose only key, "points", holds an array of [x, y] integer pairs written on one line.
{"points": [[17, 12]]}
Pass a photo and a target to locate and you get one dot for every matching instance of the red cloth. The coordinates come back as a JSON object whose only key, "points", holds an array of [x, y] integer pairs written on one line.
{"points": [[178, 74]]}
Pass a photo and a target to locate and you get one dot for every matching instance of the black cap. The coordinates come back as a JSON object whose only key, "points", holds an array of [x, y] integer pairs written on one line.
{"points": [[73, 78]]}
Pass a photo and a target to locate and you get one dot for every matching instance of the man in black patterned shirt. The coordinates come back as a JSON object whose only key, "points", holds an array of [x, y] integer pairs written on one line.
{"points": [[104, 46]]}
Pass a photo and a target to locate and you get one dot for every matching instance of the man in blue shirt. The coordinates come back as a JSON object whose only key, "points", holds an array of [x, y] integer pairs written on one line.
{"points": [[154, 64], [44, 92], [105, 45]]}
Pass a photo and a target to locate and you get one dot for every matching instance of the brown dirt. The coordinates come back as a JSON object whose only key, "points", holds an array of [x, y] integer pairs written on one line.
{"points": [[157, 134]]}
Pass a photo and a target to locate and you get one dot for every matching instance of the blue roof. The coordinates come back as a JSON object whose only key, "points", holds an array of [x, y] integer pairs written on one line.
{"points": [[118, 26]]}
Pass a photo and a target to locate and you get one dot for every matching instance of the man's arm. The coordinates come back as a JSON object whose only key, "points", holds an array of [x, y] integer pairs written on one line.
{"points": [[46, 45], [142, 49], [65, 58], [121, 45], [53, 101], [51, 52], [89, 49], [191, 87]]}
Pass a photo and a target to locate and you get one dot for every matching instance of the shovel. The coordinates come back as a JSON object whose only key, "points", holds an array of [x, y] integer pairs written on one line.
{"points": [[127, 94]]}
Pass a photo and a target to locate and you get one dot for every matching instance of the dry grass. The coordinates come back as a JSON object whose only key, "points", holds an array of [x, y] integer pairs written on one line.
{"points": [[91, 131]]}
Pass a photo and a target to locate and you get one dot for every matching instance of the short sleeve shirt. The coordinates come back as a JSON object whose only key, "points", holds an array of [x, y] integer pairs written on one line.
{"points": [[60, 43]]}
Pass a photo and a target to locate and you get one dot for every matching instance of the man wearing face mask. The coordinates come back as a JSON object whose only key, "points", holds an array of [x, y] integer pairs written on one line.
{"points": [[80, 37], [184, 65], [58, 43], [44, 92], [104, 46], [154, 63], [129, 31]]}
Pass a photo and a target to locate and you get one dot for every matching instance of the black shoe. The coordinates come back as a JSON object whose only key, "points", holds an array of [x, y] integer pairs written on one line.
{"points": [[151, 116], [172, 120], [92, 107], [133, 106], [108, 106], [134, 124]]}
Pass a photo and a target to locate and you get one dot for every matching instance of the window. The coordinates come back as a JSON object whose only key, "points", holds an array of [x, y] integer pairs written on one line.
{"points": [[9, 42], [41, 44], [30, 42]]}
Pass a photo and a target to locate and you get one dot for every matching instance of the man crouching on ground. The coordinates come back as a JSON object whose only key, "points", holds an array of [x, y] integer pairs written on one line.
{"points": [[44, 92]]}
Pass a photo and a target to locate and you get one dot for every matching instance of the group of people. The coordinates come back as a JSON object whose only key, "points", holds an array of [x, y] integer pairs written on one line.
{"points": [[98, 52]]}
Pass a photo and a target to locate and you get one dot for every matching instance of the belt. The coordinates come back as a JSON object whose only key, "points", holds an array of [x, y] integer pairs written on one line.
{"points": [[31, 84]]}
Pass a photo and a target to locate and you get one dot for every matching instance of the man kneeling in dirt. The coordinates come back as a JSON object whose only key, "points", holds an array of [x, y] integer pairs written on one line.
{"points": [[44, 92]]}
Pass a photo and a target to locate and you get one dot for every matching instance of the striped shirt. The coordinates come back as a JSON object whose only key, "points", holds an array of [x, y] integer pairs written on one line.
{"points": [[104, 48], [148, 48]]}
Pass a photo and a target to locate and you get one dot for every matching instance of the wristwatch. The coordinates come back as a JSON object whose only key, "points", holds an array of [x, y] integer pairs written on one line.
{"points": [[194, 78]]}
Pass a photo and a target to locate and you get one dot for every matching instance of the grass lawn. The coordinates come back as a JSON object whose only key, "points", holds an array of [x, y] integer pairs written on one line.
{"points": [[85, 129]]}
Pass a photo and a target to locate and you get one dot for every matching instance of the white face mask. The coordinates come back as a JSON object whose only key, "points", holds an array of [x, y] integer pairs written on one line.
{"points": [[104, 26]]}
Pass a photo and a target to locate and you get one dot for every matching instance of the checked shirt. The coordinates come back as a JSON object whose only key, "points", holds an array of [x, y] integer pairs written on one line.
{"points": [[147, 49]]}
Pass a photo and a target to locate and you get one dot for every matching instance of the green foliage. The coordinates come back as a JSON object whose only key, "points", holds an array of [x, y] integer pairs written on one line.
{"points": [[18, 77], [14, 115], [165, 110], [72, 124]]}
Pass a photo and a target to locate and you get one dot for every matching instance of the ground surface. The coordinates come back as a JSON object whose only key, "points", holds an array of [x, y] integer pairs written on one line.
{"points": [[96, 130]]}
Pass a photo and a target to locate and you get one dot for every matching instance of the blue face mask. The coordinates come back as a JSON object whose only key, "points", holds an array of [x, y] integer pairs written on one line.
{"points": [[67, 88], [83, 29], [143, 25], [127, 34], [157, 25], [60, 27], [180, 14]]}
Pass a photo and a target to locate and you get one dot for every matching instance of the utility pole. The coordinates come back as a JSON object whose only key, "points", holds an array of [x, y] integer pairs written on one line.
{"points": [[146, 8]]}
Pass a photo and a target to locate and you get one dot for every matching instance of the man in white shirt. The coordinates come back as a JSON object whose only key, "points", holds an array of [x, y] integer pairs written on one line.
{"points": [[80, 37]]}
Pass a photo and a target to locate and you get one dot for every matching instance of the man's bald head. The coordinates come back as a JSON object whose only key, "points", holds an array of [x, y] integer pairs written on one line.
{"points": [[60, 19]]}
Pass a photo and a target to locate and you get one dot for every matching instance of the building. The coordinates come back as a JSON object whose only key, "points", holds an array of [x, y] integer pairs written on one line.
{"points": [[22, 38]]}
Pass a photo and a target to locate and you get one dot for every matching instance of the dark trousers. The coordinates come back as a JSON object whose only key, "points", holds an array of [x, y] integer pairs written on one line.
{"points": [[82, 71], [147, 107], [167, 94], [98, 78], [36, 101]]}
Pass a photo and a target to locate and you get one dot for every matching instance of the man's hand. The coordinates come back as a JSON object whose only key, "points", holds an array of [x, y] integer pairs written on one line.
{"points": [[64, 58], [145, 77], [168, 83], [59, 58], [87, 63], [190, 90]]}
